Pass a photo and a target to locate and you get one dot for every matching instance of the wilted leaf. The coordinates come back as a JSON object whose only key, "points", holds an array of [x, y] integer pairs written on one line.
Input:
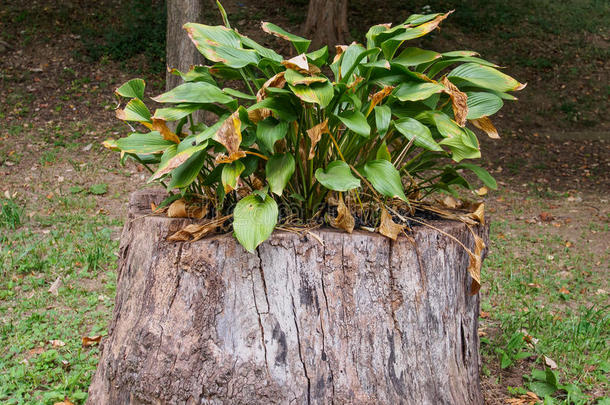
{"points": [[57, 343], [229, 134], [482, 191], [168, 135], [315, 134], [379, 96], [549, 362], [194, 232], [177, 209], [66, 401], [450, 202], [298, 63], [344, 219], [475, 262], [478, 214], [564, 290], [459, 101], [388, 227], [277, 81], [91, 340], [485, 125]]}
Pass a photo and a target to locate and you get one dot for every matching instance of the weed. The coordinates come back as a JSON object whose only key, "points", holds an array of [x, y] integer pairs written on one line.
{"points": [[11, 214]]}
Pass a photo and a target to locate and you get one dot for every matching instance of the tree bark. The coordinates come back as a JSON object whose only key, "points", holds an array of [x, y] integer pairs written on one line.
{"points": [[326, 23], [180, 53], [357, 320]]}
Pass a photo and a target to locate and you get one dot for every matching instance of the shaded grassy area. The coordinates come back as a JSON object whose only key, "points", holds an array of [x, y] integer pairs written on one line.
{"points": [[62, 196]]}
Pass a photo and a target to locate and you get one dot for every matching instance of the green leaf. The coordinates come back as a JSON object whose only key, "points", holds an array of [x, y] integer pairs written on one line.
{"points": [[446, 62], [278, 171], [186, 173], [416, 19], [195, 74], [385, 178], [177, 160], [411, 91], [482, 104], [351, 58], [300, 44], [356, 121], [132, 89], [238, 94], [383, 152], [175, 113], [152, 142], [98, 189], [135, 110], [230, 174], [266, 53], [254, 219], [383, 116], [269, 131], [194, 92], [281, 106], [459, 149], [318, 57], [415, 56], [483, 76], [542, 388], [481, 173], [413, 129], [337, 176], [318, 93]]}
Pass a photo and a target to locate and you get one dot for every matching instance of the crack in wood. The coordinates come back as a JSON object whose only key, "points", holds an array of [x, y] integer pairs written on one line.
{"points": [[301, 357], [258, 313]]}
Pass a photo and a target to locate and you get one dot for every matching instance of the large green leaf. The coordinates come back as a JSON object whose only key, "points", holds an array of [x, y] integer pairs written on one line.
{"points": [[151, 142], [385, 178], [318, 93], [446, 62], [175, 113], [459, 149], [383, 116], [135, 110], [254, 218], [187, 172], [278, 171], [230, 174], [482, 104], [269, 131], [281, 107], [318, 57], [481, 173], [300, 44], [415, 56], [195, 74], [351, 58], [293, 77], [356, 121], [261, 50], [132, 89], [412, 91], [483, 76], [337, 176], [413, 129], [194, 92]]}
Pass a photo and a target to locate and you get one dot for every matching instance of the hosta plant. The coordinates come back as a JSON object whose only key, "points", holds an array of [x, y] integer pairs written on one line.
{"points": [[367, 132]]}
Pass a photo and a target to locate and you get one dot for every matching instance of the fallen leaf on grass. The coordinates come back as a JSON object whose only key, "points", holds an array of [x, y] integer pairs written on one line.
{"points": [[546, 217], [534, 285], [564, 290], [528, 399], [64, 402], [57, 343], [35, 351], [482, 191], [344, 219], [388, 227], [54, 288], [91, 340], [549, 362], [484, 314]]}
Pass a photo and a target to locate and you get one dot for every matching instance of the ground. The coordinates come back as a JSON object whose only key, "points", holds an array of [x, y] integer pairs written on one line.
{"points": [[63, 196]]}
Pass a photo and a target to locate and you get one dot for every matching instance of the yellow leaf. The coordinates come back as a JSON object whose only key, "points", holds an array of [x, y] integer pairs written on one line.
{"points": [[344, 219], [478, 214], [379, 96], [229, 134], [66, 401], [159, 125], [177, 209], [388, 227], [275, 81], [315, 134], [482, 191], [298, 63], [458, 101], [485, 125]]}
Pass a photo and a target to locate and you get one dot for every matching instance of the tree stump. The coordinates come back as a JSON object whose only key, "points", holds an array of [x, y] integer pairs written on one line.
{"points": [[358, 320]]}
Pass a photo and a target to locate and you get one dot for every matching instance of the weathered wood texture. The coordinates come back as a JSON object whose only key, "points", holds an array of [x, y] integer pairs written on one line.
{"points": [[360, 320], [180, 53], [326, 23]]}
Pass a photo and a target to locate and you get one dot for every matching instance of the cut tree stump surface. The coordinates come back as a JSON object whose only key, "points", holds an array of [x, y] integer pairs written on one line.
{"points": [[360, 319]]}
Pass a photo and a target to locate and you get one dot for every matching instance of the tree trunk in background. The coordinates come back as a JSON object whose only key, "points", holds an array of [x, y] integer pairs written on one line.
{"points": [[180, 51], [326, 23], [357, 320]]}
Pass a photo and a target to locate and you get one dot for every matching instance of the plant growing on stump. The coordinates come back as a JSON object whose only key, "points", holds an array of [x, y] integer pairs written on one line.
{"points": [[373, 129]]}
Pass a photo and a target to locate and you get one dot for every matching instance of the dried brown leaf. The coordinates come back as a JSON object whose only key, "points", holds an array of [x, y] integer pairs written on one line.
{"points": [[161, 126], [177, 209], [54, 288], [57, 343], [475, 262], [275, 81], [379, 96], [482, 191], [222, 158], [339, 49], [315, 134], [388, 227], [66, 401], [485, 125], [298, 63], [192, 232], [478, 213], [450, 202], [229, 134], [91, 340], [458, 101], [344, 219]]}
